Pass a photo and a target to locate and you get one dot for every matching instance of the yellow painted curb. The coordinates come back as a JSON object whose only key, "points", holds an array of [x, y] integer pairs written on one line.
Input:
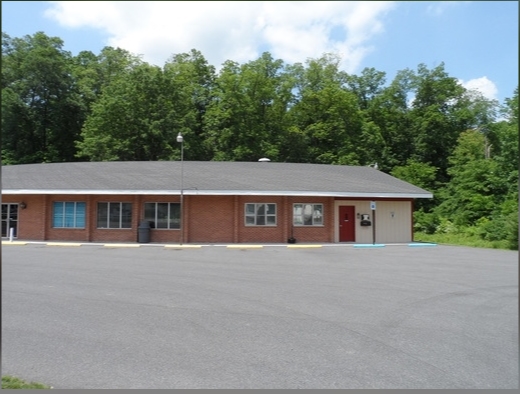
{"points": [[304, 246], [13, 243], [121, 246], [62, 244], [183, 246], [245, 246]]}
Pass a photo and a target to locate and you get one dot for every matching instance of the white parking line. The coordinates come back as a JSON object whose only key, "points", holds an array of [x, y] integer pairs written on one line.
{"points": [[183, 246], [239, 246], [62, 244], [121, 246]]}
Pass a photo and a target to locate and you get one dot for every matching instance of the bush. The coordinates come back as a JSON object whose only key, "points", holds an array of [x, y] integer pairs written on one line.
{"points": [[425, 222], [500, 228], [445, 226]]}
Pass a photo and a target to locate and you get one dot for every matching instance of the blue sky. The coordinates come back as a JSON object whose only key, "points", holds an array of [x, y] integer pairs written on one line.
{"points": [[476, 40]]}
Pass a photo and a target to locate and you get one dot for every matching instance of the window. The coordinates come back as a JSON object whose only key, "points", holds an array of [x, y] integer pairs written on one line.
{"points": [[114, 215], [308, 214], [163, 214], [68, 215], [260, 214]]}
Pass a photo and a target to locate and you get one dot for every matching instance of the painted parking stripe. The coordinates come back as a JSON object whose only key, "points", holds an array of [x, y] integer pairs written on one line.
{"points": [[422, 244], [13, 243], [183, 246], [369, 245], [62, 244], [304, 246], [245, 246], [121, 246]]}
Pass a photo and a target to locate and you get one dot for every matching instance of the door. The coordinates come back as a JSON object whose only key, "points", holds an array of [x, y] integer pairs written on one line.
{"points": [[347, 223], [9, 219]]}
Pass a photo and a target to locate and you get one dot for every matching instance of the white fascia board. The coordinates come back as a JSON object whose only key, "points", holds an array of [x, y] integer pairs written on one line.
{"points": [[192, 192], [310, 193]]}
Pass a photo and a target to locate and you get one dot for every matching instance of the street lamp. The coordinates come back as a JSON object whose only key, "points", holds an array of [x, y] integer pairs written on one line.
{"points": [[180, 139]]}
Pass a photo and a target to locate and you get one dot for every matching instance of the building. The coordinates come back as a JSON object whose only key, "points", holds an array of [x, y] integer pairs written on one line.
{"points": [[222, 202]]}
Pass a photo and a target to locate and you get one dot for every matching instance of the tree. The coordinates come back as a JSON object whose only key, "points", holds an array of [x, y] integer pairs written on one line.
{"points": [[436, 117], [130, 119], [190, 84], [41, 106], [389, 142], [327, 113], [367, 86], [476, 188], [246, 118]]}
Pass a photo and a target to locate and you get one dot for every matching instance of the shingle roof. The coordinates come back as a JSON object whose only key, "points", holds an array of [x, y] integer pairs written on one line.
{"points": [[204, 177]]}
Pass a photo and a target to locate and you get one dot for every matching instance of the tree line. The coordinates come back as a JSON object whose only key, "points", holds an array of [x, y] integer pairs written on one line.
{"points": [[423, 126]]}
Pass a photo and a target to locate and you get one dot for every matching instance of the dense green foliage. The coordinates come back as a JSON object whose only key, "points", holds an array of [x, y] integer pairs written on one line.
{"points": [[423, 126], [13, 383]]}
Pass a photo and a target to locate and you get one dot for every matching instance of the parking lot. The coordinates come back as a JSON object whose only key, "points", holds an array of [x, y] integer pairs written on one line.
{"points": [[253, 317]]}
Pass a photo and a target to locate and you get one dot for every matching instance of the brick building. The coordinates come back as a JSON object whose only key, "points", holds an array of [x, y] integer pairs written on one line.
{"points": [[206, 202]]}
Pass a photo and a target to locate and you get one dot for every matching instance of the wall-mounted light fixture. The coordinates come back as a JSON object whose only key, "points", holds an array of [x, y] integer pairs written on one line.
{"points": [[23, 205]]}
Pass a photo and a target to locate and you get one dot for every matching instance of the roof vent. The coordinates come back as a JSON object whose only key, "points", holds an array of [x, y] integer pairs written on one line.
{"points": [[264, 159]]}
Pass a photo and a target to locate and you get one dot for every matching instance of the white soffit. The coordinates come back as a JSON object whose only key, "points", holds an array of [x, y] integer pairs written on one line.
{"points": [[193, 192]]}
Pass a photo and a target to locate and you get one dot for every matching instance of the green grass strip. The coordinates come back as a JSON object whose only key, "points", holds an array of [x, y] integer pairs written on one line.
{"points": [[10, 382]]}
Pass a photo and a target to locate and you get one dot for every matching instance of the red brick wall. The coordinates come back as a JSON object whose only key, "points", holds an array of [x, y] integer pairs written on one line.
{"points": [[31, 220], [35, 222], [284, 228], [112, 235], [162, 235], [323, 233], [211, 219], [252, 234]]}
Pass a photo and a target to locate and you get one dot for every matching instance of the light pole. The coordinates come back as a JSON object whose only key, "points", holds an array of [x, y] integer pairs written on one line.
{"points": [[181, 140]]}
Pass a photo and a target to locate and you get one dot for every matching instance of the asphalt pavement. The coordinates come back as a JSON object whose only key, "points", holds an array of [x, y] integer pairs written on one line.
{"points": [[216, 317]]}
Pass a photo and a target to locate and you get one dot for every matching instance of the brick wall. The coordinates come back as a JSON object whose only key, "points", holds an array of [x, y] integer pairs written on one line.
{"points": [[31, 220], [112, 235], [207, 219], [323, 233], [210, 218]]}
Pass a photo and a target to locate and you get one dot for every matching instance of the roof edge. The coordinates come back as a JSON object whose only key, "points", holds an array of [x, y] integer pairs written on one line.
{"points": [[217, 193]]}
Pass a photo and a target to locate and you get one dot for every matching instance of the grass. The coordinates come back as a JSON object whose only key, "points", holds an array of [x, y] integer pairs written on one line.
{"points": [[10, 382], [461, 240]]}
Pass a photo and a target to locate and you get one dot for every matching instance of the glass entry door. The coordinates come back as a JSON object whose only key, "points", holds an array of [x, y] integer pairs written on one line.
{"points": [[9, 219]]}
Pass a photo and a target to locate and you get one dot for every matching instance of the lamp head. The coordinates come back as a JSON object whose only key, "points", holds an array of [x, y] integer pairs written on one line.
{"points": [[179, 137]]}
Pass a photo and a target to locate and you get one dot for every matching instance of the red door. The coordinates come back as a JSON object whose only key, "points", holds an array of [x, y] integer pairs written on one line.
{"points": [[347, 224]]}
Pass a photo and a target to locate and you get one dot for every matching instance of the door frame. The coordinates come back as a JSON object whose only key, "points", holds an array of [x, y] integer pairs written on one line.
{"points": [[7, 220], [337, 207]]}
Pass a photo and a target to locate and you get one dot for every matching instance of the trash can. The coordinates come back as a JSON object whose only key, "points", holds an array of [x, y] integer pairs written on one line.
{"points": [[144, 232]]}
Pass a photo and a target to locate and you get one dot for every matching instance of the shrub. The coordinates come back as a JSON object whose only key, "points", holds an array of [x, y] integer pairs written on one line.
{"points": [[425, 222], [445, 226]]}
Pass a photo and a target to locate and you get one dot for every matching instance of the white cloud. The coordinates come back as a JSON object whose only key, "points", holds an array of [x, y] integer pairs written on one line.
{"points": [[438, 8], [240, 31], [483, 85]]}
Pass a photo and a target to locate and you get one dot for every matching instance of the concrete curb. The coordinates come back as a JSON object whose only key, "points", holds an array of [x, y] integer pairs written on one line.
{"points": [[421, 244], [195, 246]]}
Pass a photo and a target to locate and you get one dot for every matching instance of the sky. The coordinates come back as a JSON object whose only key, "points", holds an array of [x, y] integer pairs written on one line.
{"points": [[476, 40]]}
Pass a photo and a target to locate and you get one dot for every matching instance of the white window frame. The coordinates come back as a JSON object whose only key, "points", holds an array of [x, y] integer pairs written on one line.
{"points": [[171, 225], [254, 217], [107, 224], [299, 218], [63, 215]]}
